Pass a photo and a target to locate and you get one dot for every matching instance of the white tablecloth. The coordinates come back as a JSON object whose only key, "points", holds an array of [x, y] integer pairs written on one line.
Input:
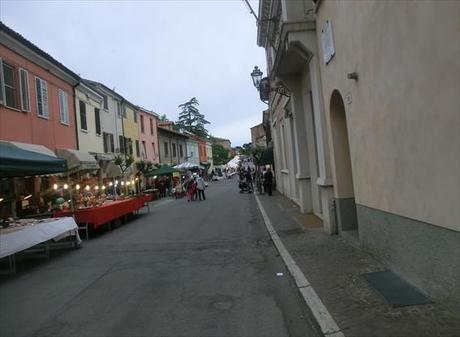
{"points": [[18, 239]]}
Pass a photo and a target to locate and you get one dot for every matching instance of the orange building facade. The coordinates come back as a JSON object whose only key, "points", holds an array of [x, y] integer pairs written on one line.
{"points": [[148, 136], [36, 95]]}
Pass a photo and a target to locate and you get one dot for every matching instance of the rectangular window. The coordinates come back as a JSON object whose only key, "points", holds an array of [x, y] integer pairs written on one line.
{"points": [[106, 102], [181, 151], [142, 124], [63, 107], [137, 148], [166, 149], [24, 88], [154, 152], [112, 143], [123, 109], [135, 116], [42, 97], [122, 144], [174, 150], [105, 141], [97, 118], [9, 91], [151, 126], [83, 122]]}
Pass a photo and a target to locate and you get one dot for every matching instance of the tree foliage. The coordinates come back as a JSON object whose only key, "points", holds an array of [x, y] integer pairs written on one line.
{"points": [[191, 120], [123, 162], [246, 149], [219, 154]]}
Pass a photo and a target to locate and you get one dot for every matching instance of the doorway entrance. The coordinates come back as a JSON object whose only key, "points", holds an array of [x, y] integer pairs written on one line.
{"points": [[343, 190]]}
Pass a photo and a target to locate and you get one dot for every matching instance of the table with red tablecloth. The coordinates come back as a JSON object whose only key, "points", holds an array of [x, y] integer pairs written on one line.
{"points": [[111, 210]]}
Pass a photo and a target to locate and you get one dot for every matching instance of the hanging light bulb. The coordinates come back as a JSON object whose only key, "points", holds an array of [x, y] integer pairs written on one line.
{"points": [[110, 184], [132, 181], [103, 187], [122, 183], [116, 182], [87, 187], [77, 187], [55, 186], [96, 187], [66, 186]]}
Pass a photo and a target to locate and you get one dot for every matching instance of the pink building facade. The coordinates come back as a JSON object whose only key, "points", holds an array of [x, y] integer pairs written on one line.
{"points": [[148, 136], [36, 95]]}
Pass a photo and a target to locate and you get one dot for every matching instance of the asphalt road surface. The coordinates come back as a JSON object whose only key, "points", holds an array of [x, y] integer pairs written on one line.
{"points": [[203, 268]]}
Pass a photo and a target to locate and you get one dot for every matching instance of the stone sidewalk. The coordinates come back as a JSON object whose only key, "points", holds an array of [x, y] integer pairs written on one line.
{"points": [[334, 267]]}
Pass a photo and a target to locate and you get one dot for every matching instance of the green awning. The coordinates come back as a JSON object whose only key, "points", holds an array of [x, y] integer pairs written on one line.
{"points": [[162, 171], [17, 162]]}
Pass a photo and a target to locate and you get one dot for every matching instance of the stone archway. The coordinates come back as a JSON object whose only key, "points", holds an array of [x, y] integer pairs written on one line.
{"points": [[343, 190]]}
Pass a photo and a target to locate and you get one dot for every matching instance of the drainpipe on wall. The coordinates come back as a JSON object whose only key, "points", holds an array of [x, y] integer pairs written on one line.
{"points": [[75, 109]]}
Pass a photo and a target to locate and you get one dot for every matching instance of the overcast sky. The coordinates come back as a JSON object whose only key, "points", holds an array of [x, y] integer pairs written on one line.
{"points": [[157, 54]]}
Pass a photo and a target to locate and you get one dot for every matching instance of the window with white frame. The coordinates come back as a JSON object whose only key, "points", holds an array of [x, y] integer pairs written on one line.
{"points": [[24, 89], [8, 79], [63, 107], [42, 97]]}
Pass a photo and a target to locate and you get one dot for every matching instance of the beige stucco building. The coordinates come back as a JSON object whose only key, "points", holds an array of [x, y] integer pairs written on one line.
{"points": [[287, 32], [88, 104], [369, 137], [391, 91]]}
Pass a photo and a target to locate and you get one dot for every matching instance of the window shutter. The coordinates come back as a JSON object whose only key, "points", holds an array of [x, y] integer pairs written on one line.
{"points": [[122, 144], [61, 105], [45, 98], [104, 141], [66, 108], [112, 144], [24, 89], [38, 87], [97, 117]]}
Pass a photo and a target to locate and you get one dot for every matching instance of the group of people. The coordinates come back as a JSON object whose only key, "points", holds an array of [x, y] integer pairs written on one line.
{"points": [[263, 179], [194, 187]]}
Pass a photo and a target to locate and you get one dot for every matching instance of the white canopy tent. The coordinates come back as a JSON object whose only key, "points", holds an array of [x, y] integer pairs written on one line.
{"points": [[187, 166]]}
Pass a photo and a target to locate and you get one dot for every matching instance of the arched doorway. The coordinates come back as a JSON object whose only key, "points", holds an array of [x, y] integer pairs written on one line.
{"points": [[343, 190]]}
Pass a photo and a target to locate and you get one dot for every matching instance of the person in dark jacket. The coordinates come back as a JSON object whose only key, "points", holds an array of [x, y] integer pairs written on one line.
{"points": [[268, 181]]}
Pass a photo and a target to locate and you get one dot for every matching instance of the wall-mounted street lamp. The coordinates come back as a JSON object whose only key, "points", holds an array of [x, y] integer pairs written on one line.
{"points": [[263, 85], [256, 76]]}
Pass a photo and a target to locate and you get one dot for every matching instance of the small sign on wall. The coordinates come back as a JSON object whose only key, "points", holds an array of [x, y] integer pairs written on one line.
{"points": [[327, 42]]}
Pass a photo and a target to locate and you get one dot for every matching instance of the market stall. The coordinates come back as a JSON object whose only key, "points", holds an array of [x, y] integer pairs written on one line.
{"points": [[95, 217], [165, 179], [23, 234], [20, 165]]}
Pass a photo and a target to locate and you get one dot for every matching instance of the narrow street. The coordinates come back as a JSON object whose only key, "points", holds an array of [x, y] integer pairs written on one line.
{"points": [[185, 269]]}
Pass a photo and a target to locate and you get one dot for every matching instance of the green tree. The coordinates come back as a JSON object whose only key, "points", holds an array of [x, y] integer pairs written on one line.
{"points": [[163, 118], [246, 149], [190, 118], [219, 154]]}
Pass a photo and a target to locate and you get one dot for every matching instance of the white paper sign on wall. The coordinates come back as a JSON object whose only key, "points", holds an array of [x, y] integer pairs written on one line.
{"points": [[327, 42]]}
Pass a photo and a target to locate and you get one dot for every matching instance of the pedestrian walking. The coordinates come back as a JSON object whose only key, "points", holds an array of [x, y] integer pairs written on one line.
{"points": [[201, 186], [268, 181]]}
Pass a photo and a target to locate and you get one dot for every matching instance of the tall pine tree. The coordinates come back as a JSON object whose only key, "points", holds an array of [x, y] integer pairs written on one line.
{"points": [[190, 118]]}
